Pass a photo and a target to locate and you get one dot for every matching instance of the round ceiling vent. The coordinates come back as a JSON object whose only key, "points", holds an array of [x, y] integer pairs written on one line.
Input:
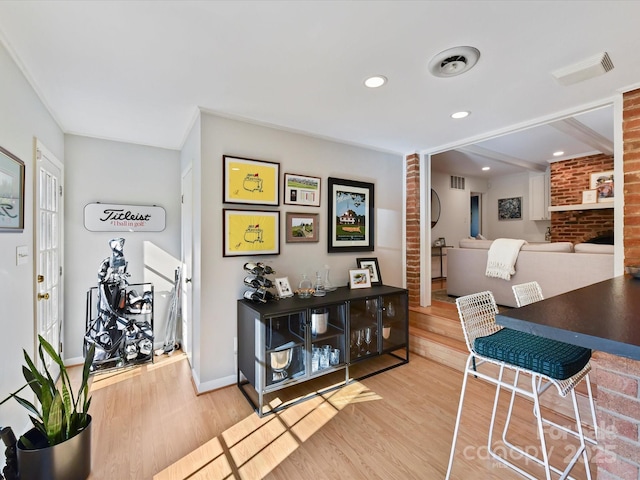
{"points": [[454, 61]]}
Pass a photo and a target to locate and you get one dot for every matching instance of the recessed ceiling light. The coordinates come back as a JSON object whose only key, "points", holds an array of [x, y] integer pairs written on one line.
{"points": [[484, 169], [460, 114], [558, 153], [375, 81]]}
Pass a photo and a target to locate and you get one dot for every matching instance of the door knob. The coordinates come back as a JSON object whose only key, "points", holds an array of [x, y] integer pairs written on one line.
{"points": [[188, 280], [43, 296], [40, 278]]}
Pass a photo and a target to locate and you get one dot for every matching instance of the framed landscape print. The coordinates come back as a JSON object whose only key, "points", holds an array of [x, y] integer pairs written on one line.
{"points": [[302, 227], [301, 190], [247, 181], [359, 278], [11, 192], [350, 216], [510, 208], [251, 232]]}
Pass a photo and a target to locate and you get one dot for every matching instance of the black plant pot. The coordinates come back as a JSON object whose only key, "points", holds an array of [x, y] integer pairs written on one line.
{"points": [[70, 460]]}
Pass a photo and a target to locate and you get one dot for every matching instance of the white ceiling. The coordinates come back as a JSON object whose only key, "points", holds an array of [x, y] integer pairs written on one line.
{"points": [[136, 71]]}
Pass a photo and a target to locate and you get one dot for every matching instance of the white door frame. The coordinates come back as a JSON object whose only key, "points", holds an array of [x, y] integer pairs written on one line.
{"points": [[187, 262], [42, 284]]}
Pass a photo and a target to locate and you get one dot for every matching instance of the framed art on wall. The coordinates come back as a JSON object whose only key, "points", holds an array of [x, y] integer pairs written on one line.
{"points": [[374, 269], [351, 216], [510, 208], [11, 192], [301, 227], [250, 232], [247, 181], [301, 190]]}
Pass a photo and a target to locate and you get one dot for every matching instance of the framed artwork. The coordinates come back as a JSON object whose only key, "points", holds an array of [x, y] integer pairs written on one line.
{"points": [[301, 190], [351, 216], [283, 287], [11, 192], [302, 227], [250, 232], [374, 270], [602, 182], [359, 278], [253, 182], [590, 196], [510, 208]]}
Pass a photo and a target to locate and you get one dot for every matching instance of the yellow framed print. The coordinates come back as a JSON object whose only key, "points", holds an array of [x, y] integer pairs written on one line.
{"points": [[251, 182], [250, 232]]}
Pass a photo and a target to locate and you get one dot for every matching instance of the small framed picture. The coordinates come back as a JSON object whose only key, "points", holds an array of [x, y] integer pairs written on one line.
{"points": [[603, 183], [283, 288], [374, 269], [301, 190], [359, 278], [590, 196], [302, 227]]}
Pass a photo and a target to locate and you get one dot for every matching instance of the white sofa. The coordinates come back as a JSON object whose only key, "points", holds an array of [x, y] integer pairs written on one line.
{"points": [[558, 268]]}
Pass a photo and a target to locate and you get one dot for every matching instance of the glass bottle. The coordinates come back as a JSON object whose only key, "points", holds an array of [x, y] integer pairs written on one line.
{"points": [[328, 286], [318, 287], [304, 288]]}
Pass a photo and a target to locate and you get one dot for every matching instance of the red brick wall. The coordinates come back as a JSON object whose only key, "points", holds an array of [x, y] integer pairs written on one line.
{"points": [[413, 229], [568, 180], [631, 166]]}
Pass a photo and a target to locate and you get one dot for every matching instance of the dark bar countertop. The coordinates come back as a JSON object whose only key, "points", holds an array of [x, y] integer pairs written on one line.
{"points": [[604, 316]]}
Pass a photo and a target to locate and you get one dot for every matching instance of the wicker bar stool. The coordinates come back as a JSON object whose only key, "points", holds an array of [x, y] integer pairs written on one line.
{"points": [[547, 362]]}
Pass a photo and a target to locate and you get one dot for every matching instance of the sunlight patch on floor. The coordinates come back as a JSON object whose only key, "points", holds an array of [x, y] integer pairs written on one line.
{"points": [[251, 448]]}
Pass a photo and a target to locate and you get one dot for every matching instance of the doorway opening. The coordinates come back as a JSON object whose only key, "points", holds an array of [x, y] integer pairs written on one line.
{"points": [[475, 215]]}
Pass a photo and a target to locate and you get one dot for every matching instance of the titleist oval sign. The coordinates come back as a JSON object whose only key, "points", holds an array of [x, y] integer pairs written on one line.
{"points": [[106, 217]]}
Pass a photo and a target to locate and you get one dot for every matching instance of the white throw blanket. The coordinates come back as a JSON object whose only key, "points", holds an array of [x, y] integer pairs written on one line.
{"points": [[502, 256]]}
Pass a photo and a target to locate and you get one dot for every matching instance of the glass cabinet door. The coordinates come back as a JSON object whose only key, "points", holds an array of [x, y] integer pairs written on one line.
{"points": [[327, 338], [363, 322], [394, 322], [285, 353]]}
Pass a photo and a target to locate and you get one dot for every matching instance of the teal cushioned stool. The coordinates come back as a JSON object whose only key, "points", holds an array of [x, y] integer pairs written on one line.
{"points": [[550, 357]]}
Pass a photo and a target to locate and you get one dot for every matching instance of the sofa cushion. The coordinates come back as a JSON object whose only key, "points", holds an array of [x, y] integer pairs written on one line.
{"points": [[566, 247], [471, 243], [593, 248]]}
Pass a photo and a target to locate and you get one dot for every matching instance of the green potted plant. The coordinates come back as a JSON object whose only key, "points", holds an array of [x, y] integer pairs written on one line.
{"points": [[59, 444]]}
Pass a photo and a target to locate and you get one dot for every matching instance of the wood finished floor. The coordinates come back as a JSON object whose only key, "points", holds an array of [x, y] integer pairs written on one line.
{"points": [[149, 424]]}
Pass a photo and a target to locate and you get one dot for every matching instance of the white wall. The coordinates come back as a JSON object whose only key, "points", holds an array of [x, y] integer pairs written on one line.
{"points": [[454, 222], [506, 187], [121, 173], [221, 278], [22, 117]]}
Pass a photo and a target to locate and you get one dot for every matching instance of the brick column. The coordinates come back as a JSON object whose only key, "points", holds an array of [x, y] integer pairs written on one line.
{"points": [[618, 402], [412, 233]]}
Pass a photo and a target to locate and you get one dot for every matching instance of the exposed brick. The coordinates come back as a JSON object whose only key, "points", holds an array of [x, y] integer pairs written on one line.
{"points": [[619, 468], [627, 385]]}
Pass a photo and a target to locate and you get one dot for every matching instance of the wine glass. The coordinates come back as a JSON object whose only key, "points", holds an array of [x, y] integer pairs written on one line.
{"points": [[359, 339], [368, 337], [391, 310]]}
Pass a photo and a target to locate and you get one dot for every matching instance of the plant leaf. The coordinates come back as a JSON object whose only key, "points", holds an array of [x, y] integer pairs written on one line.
{"points": [[54, 423]]}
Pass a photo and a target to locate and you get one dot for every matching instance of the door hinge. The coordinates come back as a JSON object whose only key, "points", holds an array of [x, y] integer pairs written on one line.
{"points": [[60, 271], [38, 154], [60, 190], [181, 198]]}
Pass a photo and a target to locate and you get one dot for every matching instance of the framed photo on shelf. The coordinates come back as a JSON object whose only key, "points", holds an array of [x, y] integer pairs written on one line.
{"points": [[590, 196], [250, 232], [301, 190], [283, 287], [603, 183], [302, 227], [359, 278], [11, 192], [510, 208], [374, 270], [350, 216], [252, 182]]}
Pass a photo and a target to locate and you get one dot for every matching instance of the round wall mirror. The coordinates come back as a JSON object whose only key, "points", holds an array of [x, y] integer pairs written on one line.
{"points": [[435, 208]]}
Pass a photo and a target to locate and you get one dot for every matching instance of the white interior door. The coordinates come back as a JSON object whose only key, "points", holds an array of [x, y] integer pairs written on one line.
{"points": [[48, 246], [187, 261]]}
